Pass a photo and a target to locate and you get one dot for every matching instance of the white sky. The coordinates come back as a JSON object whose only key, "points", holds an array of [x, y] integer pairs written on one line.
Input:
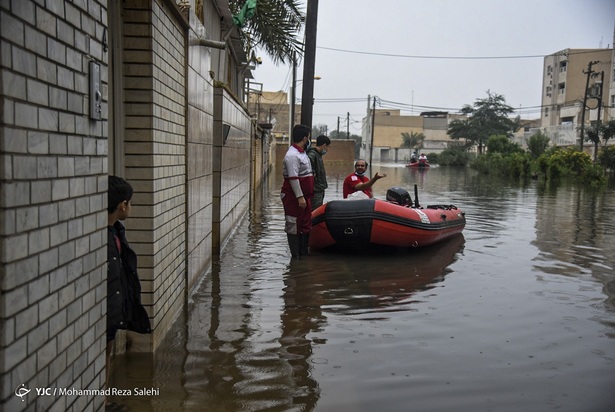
{"points": [[446, 30]]}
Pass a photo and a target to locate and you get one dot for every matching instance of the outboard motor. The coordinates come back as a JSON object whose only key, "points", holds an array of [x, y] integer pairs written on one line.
{"points": [[399, 195]]}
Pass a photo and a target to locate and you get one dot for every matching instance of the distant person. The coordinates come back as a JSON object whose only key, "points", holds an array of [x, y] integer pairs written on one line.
{"points": [[297, 191], [318, 167], [413, 158], [357, 181], [124, 308], [422, 159]]}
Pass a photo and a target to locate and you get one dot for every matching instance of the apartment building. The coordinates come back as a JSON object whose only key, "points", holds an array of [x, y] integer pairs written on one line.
{"points": [[571, 77]]}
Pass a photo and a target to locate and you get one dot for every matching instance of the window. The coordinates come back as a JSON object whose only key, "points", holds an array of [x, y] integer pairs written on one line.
{"points": [[561, 88], [546, 112], [562, 66]]}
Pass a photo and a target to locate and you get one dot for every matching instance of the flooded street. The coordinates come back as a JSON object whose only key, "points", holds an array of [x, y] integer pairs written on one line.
{"points": [[518, 313]]}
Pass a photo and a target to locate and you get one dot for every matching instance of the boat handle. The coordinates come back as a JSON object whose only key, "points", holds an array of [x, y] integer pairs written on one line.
{"points": [[348, 231]]}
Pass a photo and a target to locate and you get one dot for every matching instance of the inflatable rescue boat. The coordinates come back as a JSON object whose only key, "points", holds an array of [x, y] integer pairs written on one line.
{"points": [[391, 222]]}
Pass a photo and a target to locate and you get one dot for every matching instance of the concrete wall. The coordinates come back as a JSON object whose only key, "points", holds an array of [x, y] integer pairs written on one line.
{"points": [[200, 118], [231, 167]]}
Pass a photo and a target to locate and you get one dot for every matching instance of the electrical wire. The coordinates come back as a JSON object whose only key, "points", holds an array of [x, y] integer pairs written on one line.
{"points": [[566, 52]]}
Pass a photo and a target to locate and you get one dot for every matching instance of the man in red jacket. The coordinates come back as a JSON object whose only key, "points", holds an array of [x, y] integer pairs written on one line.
{"points": [[297, 191], [358, 181]]}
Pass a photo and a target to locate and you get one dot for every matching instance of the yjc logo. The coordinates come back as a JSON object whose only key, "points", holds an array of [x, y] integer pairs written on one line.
{"points": [[22, 391]]}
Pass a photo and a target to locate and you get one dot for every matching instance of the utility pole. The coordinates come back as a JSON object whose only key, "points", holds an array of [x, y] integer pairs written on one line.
{"points": [[338, 127], [291, 109], [600, 89], [589, 73], [307, 96], [371, 145], [347, 125]]}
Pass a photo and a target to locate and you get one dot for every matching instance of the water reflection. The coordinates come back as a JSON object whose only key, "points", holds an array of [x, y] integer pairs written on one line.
{"points": [[576, 235], [516, 314], [368, 286], [378, 280]]}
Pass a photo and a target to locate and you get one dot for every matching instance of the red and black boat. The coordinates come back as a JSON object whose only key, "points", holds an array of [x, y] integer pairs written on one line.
{"points": [[392, 222], [419, 164]]}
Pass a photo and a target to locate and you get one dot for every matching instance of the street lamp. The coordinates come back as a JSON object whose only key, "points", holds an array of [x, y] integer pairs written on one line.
{"points": [[291, 103]]}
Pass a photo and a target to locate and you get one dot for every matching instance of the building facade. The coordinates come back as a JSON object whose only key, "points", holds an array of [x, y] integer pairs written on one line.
{"points": [[145, 89], [569, 80], [387, 134]]}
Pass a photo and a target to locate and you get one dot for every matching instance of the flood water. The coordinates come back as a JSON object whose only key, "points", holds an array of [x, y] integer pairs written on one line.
{"points": [[517, 314]]}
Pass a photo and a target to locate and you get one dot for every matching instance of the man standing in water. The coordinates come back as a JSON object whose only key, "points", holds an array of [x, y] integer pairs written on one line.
{"points": [[357, 181], [318, 167], [297, 191]]}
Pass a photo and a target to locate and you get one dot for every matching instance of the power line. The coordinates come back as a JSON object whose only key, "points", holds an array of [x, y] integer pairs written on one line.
{"points": [[408, 56], [409, 106], [566, 52]]}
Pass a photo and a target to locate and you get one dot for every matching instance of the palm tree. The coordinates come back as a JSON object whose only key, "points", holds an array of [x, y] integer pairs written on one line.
{"points": [[273, 27], [412, 140]]}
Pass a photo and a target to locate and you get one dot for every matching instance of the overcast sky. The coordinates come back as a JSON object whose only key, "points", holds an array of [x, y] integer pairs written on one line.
{"points": [[438, 54]]}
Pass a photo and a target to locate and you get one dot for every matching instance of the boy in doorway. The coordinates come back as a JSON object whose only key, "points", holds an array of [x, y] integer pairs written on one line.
{"points": [[124, 308]]}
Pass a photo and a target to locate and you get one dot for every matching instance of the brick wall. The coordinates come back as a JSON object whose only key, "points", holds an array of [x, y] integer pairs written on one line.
{"points": [[155, 161], [52, 204]]}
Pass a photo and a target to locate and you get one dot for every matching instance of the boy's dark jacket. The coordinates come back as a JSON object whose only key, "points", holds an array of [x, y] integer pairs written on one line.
{"points": [[124, 308], [318, 167]]}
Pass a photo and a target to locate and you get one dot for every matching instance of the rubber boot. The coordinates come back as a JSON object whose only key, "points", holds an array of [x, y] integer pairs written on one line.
{"points": [[294, 242], [305, 241]]}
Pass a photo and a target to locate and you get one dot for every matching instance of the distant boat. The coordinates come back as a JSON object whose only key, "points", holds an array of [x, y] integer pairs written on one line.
{"points": [[419, 164], [392, 222]]}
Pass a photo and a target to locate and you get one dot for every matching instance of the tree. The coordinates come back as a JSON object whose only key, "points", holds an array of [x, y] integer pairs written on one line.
{"points": [[607, 157], [319, 129], [273, 26], [537, 144], [412, 140], [608, 131], [592, 134], [487, 117], [341, 135]]}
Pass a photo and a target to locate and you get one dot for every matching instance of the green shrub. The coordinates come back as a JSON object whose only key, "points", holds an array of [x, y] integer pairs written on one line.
{"points": [[554, 164], [455, 156], [593, 175], [571, 160], [556, 168], [606, 157], [502, 144]]}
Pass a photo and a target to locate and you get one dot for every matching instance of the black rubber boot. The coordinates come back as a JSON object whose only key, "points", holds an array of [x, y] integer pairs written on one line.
{"points": [[294, 242], [305, 241]]}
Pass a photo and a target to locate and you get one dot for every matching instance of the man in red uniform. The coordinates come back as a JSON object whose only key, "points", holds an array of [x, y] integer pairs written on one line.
{"points": [[297, 191], [358, 181]]}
